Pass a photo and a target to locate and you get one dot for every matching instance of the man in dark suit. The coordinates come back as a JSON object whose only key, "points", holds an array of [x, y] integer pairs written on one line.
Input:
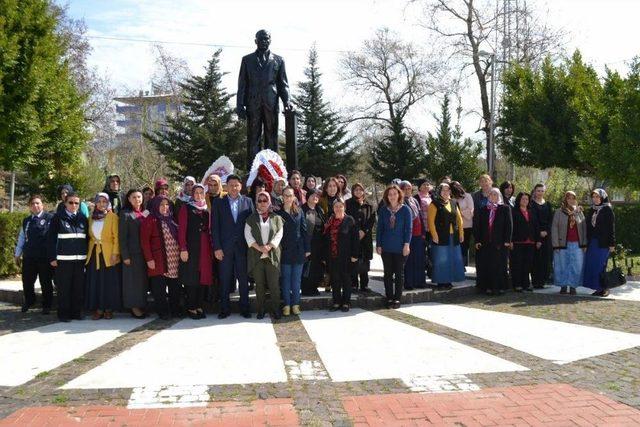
{"points": [[262, 81], [229, 215]]}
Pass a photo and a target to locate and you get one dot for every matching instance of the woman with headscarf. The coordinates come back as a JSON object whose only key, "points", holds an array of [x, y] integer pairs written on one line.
{"points": [[492, 234], [161, 250], [263, 232], [103, 292], [313, 270], [465, 203], [112, 187], [601, 238], [393, 236], [135, 282], [277, 199], [196, 270], [525, 241], [364, 215], [447, 233], [569, 240], [257, 187], [213, 187], [295, 182], [184, 196], [544, 216], [161, 188]]}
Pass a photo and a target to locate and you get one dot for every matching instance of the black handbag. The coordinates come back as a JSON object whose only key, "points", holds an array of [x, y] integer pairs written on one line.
{"points": [[614, 277]]}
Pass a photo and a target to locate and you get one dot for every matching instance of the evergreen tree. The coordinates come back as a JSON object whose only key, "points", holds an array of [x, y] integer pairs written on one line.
{"points": [[42, 129], [323, 149], [204, 129], [397, 155], [448, 155]]}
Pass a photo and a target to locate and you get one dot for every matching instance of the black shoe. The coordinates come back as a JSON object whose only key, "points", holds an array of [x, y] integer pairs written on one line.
{"points": [[223, 315], [64, 319], [538, 286], [488, 292], [420, 286], [246, 315], [389, 304], [396, 305], [344, 308], [46, 311], [77, 317], [276, 315], [334, 308], [260, 315], [408, 288], [529, 289], [573, 291], [165, 317], [202, 314], [448, 286], [25, 307], [517, 289], [563, 290], [605, 293], [194, 316], [252, 286]]}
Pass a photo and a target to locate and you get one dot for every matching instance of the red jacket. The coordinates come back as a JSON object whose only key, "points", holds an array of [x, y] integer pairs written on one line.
{"points": [[152, 244]]}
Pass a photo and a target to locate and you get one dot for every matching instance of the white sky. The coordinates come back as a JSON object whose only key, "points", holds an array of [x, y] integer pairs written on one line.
{"points": [[605, 31]]}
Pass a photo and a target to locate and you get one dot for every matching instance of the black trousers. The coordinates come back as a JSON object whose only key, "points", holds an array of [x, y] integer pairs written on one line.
{"points": [[69, 277], [259, 120], [542, 263], [340, 278], [521, 264], [159, 286], [491, 265], [360, 273], [194, 296], [465, 245], [393, 265], [33, 268]]}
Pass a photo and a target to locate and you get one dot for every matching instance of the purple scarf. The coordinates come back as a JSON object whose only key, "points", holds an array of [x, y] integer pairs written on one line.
{"points": [[154, 209]]}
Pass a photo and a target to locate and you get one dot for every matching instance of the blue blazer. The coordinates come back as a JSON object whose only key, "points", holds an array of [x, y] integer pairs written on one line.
{"points": [[295, 240], [227, 234]]}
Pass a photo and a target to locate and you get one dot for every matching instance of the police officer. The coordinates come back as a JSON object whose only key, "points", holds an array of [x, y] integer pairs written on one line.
{"points": [[31, 251]]}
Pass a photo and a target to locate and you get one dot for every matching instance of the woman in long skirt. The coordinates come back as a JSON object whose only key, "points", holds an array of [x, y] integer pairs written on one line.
{"points": [[602, 241], [135, 282], [569, 240], [103, 283], [542, 256], [525, 241], [447, 233], [414, 269]]}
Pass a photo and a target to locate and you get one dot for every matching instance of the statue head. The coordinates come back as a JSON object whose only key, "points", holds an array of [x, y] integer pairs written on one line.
{"points": [[263, 40]]}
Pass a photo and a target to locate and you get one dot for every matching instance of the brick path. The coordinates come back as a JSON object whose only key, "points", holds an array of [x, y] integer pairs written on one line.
{"points": [[270, 412], [536, 405]]}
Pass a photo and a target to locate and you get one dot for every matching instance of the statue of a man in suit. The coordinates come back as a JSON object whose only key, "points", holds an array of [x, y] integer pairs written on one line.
{"points": [[262, 81]]}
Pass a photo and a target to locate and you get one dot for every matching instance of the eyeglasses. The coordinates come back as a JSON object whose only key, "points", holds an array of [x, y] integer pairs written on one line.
{"points": [[73, 203], [263, 201]]}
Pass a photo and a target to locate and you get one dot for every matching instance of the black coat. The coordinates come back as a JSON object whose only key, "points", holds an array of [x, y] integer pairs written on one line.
{"points": [[502, 227], [261, 85], [544, 215], [605, 230], [365, 218], [524, 230], [348, 242]]}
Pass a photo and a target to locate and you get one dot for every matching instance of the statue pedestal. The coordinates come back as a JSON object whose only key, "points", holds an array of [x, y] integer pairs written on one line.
{"points": [[291, 138]]}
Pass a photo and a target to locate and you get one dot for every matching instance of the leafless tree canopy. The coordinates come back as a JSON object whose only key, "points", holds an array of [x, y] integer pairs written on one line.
{"points": [[169, 71], [389, 75]]}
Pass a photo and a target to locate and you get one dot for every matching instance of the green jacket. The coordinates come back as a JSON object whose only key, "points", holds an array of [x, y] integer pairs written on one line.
{"points": [[253, 255]]}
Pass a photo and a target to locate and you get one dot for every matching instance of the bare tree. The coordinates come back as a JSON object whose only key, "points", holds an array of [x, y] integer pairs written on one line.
{"points": [[391, 75], [475, 31], [169, 71]]}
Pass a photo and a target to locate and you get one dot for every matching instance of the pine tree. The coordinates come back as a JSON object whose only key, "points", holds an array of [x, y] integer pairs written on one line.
{"points": [[205, 129], [323, 148], [42, 128], [397, 155], [448, 155]]}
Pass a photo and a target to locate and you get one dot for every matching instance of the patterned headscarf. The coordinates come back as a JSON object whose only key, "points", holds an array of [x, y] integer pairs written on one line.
{"points": [[604, 201], [493, 207], [183, 194], [98, 215]]}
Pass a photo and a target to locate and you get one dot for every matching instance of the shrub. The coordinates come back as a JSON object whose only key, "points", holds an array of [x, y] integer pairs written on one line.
{"points": [[10, 224]]}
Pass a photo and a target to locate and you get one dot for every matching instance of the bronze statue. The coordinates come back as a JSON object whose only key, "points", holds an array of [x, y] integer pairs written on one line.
{"points": [[262, 81]]}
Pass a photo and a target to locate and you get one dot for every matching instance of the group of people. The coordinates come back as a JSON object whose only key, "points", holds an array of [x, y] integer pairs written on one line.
{"points": [[290, 237]]}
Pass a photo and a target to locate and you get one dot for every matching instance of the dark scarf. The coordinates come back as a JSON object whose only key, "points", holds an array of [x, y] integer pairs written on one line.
{"points": [[333, 227], [154, 209]]}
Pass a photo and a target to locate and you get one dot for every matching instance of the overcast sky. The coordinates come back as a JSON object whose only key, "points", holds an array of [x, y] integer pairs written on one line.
{"points": [[605, 31]]}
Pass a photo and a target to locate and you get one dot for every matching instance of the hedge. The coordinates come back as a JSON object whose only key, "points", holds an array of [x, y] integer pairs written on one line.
{"points": [[10, 224], [628, 226]]}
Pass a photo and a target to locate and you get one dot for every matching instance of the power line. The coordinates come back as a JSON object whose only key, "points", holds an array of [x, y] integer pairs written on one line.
{"points": [[204, 44]]}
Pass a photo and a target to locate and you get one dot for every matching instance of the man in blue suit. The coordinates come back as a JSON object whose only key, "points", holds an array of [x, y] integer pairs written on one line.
{"points": [[229, 215]]}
